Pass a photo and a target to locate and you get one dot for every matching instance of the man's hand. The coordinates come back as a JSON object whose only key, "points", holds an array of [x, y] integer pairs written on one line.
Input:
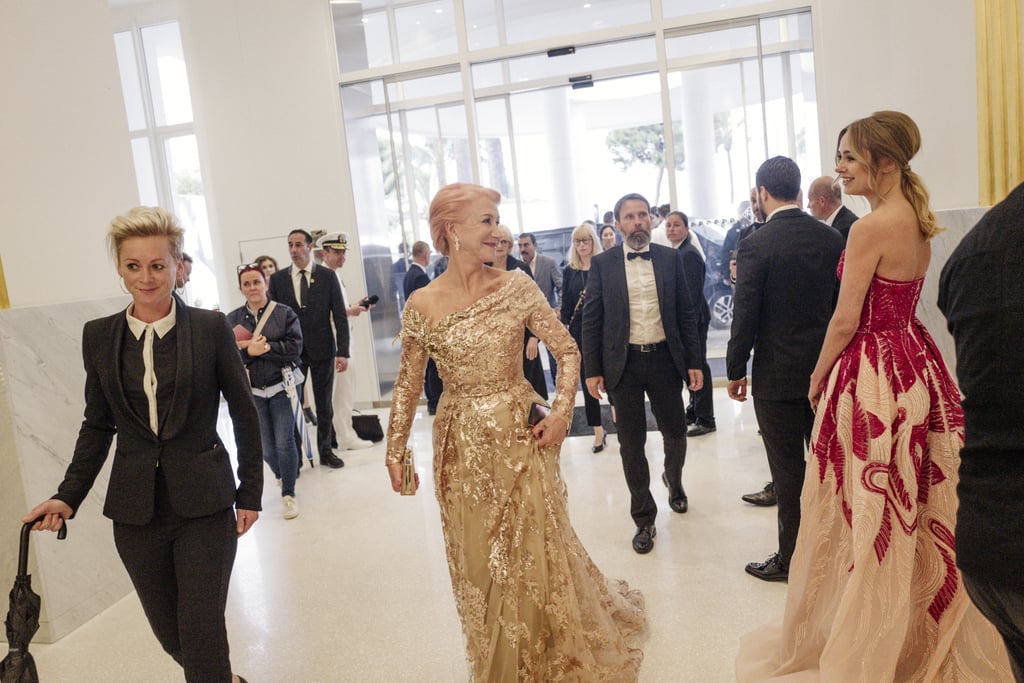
{"points": [[531, 348], [595, 386], [340, 364], [738, 389], [244, 519], [696, 379]]}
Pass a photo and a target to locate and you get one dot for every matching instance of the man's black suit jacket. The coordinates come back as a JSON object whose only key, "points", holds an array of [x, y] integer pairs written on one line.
{"points": [[786, 290], [414, 279], [606, 314], [319, 340], [193, 458], [843, 220]]}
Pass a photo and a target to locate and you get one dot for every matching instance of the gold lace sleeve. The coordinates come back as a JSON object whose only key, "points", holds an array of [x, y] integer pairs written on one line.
{"points": [[543, 321], [408, 385]]}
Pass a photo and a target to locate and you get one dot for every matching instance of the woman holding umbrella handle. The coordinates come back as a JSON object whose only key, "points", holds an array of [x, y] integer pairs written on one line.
{"points": [[269, 340], [154, 376]]}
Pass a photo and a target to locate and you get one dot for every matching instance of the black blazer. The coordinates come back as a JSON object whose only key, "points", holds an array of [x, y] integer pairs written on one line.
{"points": [[695, 271], [193, 458], [414, 279], [319, 341], [606, 314], [843, 220], [786, 290]]}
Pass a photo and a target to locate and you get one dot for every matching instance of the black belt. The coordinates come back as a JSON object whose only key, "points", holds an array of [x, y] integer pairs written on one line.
{"points": [[647, 348]]}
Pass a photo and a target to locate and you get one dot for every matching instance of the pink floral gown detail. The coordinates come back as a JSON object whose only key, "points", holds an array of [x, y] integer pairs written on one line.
{"points": [[874, 592]]}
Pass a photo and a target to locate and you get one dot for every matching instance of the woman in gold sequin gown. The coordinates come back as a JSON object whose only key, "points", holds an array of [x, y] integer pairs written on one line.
{"points": [[533, 605]]}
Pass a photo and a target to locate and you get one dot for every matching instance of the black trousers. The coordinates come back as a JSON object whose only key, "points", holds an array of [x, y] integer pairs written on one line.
{"points": [[591, 406], [702, 403], [322, 374], [180, 568], [786, 432], [655, 375], [1004, 607], [432, 385]]}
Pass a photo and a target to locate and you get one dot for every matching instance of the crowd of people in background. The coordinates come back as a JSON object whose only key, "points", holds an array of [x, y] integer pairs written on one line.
{"points": [[860, 419]]}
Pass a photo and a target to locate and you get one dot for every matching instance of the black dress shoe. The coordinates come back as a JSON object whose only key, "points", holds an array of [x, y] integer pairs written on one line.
{"points": [[690, 417], [771, 569], [600, 447], [700, 430], [310, 415], [431, 411], [643, 539], [332, 461], [676, 500], [764, 498]]}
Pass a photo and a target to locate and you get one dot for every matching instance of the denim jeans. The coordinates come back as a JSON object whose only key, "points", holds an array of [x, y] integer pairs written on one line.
{"points": [[277, 426]]}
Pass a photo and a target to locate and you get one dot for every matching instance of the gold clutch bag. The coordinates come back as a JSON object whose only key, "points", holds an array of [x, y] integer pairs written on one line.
{"points": [[408, 474]]}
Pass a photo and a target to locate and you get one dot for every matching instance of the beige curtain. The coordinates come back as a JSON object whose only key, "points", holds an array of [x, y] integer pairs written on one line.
{"points": [[1000, 98], [5, 301]]}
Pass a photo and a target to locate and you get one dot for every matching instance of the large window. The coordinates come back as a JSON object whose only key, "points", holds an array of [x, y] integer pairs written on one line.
{"points": [[563, 107], [154, 82]]}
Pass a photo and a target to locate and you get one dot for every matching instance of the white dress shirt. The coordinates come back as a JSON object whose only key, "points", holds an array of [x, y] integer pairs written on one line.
{"points": [[160, 328], [644, 314]]}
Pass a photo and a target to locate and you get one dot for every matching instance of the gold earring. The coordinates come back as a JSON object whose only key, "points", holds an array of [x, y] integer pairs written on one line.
{"points": [[457, 245]]}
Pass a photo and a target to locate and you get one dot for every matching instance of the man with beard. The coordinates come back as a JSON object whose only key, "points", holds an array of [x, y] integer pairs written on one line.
{"points": [[640, 337]]}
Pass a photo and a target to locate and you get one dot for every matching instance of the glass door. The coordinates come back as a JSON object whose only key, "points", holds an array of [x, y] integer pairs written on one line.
{"points": [[407, 137]]}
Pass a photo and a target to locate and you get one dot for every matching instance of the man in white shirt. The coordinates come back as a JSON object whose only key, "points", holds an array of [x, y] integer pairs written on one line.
{"points": [[825, 202], [335, 248]]}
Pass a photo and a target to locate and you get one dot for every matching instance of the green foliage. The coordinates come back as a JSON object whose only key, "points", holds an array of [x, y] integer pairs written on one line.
{"points": [[645, 145], [188, 182]]}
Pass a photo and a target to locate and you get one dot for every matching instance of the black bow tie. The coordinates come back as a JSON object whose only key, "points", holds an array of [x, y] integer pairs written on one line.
{"points": [[639, 254]]}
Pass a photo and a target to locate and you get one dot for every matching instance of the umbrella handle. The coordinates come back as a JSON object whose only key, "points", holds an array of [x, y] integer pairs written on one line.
{"points": [[26, 529]]}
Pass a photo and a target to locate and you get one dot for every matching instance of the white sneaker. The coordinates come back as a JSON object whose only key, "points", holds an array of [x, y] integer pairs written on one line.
{"points": [[291, 507], [356, 444]]}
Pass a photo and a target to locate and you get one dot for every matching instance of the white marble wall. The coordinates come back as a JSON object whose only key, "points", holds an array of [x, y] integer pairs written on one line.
{"points": [[41, 403], [958, 222]]}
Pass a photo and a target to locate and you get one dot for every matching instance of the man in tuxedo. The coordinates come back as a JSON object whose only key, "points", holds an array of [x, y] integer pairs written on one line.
{"points": [[313, 292], [548, 277], [415, 279], [786, 289], [825, 202], [640, 337]]}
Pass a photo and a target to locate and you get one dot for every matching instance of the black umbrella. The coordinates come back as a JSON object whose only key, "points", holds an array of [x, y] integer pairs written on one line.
{"points": [[23, 618]]}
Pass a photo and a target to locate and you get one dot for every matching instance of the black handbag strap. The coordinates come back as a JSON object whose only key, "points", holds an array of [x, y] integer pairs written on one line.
{"points": [[579, 302]]}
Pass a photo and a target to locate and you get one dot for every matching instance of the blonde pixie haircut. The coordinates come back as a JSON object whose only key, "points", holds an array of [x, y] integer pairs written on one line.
{"points": [[449, 206], [583, 230], [146, 221]]}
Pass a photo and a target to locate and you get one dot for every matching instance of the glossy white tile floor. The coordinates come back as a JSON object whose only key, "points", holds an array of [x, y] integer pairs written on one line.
{"points": [[356, 588]]}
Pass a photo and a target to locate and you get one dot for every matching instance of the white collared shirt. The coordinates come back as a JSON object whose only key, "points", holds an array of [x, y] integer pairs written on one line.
{"points": [[784, 207], [297, 278], [138, 328], [645, 325], [828, 221]]}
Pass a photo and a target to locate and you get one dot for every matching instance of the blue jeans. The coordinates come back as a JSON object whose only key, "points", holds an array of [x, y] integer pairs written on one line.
{"points": [[277, 428]]}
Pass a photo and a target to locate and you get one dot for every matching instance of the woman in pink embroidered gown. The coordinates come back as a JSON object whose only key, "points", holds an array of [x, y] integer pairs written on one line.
{"points": [[533, 605], [874, 592]]}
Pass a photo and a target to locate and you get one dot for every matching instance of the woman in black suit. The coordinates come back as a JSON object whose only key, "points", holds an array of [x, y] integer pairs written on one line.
{"points": [[574, 285], [155, 373]]}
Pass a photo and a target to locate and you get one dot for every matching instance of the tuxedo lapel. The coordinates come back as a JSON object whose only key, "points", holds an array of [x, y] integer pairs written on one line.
{"points": [[662, 266], [617, 273]]}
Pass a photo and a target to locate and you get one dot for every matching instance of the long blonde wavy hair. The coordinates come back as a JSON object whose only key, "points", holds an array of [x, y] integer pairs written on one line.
{"points": [[893, 135]]}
